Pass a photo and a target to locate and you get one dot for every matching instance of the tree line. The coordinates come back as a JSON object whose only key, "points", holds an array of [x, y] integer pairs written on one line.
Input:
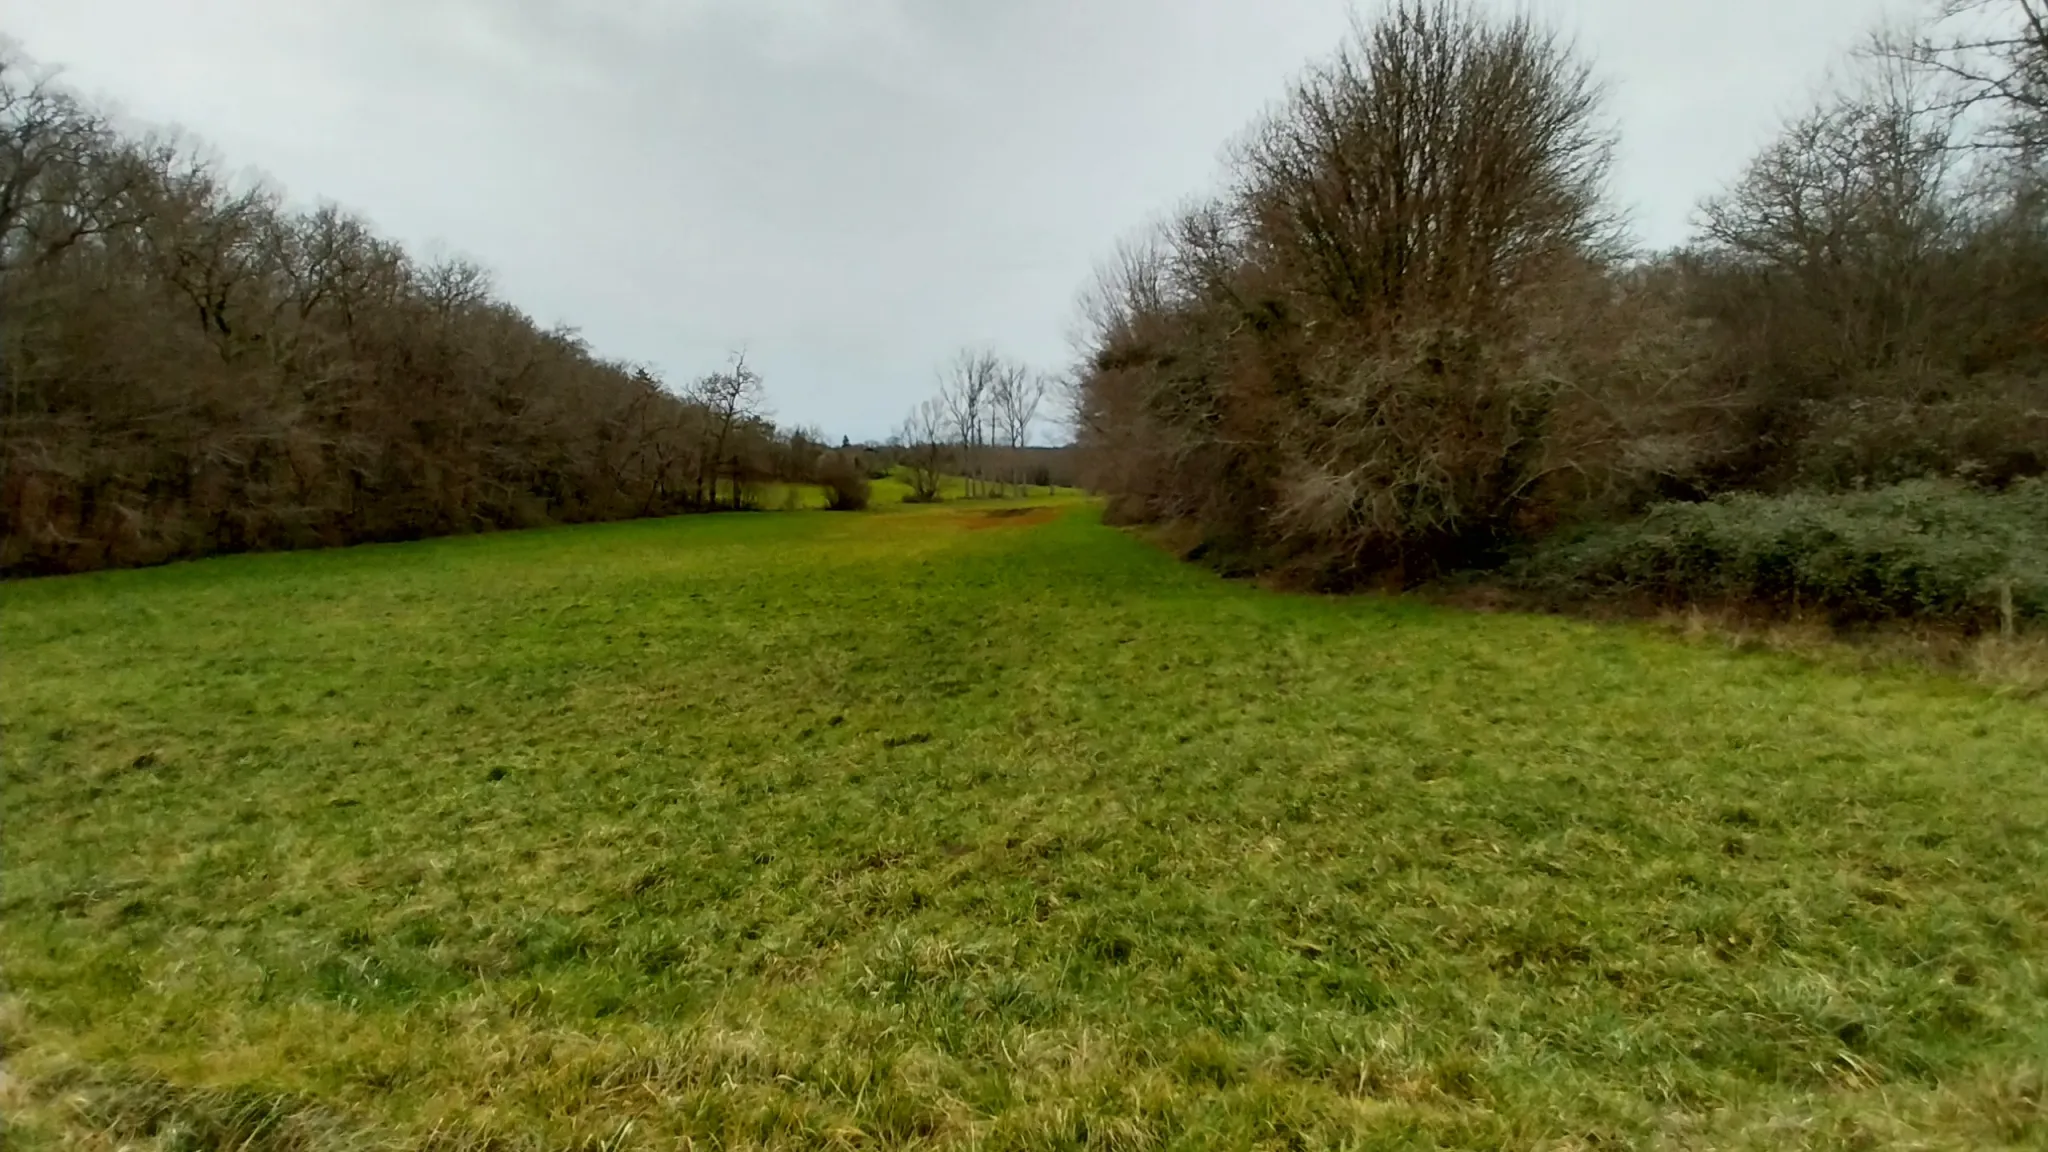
{"points": [[188, 366], [1407, 335], [977, 427]]}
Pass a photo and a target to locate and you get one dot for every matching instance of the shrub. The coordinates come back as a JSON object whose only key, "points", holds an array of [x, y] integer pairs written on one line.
{"points": [[846, 486], [1988, 432], [1925, 549]]}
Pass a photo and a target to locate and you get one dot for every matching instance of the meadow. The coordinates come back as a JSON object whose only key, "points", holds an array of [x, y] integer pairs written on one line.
{"points": [[885, 492], [982, 826]]}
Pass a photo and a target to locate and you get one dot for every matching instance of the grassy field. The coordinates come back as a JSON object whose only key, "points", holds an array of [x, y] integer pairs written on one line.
{"points": [[937, 828], [889, 491]]}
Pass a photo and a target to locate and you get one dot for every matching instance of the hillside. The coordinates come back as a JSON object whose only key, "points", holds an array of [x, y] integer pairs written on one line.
{"points": [[968, 826]]}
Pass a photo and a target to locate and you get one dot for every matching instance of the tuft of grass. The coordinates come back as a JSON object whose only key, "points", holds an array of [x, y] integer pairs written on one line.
{"points": [[2015, 665], [930, 828]]}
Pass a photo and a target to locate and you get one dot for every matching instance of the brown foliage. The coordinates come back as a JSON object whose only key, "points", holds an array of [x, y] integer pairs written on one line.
{"points": [[1350, 360], [846, 487], [1405, 338], [189, 368], [1873, 286]]}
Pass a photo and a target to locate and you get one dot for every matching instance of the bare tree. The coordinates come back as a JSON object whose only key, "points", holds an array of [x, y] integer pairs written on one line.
{"points": [[1015, 400], [923, 444], [1851, 207], [64, 176], [64, 179], [191, 368], [1869, 281], [1994, 53], [734, 398], [991, 404], [967, 390], [1345, 359]]}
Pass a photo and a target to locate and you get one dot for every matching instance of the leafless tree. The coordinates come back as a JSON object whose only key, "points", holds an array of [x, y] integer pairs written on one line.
{"points": [[1994, 53], [1851, 208], [64, 177], [967, 391], [923, 443], [1017, 395], [1343, 357], [734, 399], [991, 404], [191, 368], [1869, 280]]}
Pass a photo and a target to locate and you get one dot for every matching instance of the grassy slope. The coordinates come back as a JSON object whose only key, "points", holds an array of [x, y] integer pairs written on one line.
{"points": [[886, 492], [925, 828]]}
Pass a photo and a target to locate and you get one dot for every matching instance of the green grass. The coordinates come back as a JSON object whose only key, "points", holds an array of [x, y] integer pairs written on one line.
{"points": [[926, 828], [889, 491]]}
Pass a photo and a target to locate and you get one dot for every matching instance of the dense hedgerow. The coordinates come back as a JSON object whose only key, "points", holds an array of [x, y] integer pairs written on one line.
{"points": [[1402, 341], [1922, 549]]}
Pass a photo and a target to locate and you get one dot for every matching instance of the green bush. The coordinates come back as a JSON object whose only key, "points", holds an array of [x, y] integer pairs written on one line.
{"points": [[1924, 549]]}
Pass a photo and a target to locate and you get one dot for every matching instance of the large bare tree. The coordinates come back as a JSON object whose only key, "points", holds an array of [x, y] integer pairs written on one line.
{"points": [[1345, 356], [733, 399], [1994, 53]]}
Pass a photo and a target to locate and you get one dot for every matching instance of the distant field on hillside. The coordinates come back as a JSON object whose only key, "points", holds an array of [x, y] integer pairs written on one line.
{"points": [[888, 491], [981, 826]]}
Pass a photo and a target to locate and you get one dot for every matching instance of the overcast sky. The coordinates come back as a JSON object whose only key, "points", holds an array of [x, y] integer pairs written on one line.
{"points": [[848, 189]]}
